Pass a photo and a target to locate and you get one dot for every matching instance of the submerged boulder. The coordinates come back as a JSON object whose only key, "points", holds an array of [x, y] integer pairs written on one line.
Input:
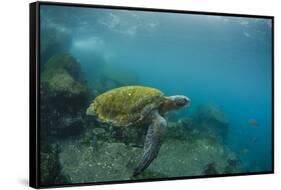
{"points": [[212, 114], [110, 162], [211, 120], [107, 161], [193, 157], [50, 168], [64, 96]]}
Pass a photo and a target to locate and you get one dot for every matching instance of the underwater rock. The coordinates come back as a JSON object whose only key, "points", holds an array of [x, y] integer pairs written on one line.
{"points": [[172, 116], [64, 96], [234, 166], [92, 135], [107, 161], [210, 169], [181, 129], [211, 120], [133, 136], [112, 161], [71, 125], [62, 74], [50, 169], [99, 131], [53, 42], [187, 121], [190, 158], [176, 130], [212, 113]]}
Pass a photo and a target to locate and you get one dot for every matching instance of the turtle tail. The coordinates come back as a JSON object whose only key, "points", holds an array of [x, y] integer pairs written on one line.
{"points": [[152, 143]]}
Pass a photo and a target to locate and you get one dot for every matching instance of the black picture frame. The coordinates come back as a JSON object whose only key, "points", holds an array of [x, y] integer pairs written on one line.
{"points": [[34, 96]]}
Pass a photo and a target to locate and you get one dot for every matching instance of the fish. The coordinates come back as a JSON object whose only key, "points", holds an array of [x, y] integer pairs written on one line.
{"points": [[253, 122]]}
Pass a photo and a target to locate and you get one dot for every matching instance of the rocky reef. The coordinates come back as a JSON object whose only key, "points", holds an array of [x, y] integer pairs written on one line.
{"points": [[64, 96], [212, 121], [103, 162], [100, 160]]}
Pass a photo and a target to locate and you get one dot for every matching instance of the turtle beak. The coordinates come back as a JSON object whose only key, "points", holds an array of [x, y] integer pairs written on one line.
{"points": [[187, 101]]}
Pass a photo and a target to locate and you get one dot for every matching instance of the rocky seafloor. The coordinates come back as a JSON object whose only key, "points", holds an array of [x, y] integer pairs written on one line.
{"points": [[77, 149]]}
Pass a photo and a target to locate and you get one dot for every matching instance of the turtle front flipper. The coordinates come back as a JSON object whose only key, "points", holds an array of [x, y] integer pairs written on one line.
{"points": [[152, 143]]}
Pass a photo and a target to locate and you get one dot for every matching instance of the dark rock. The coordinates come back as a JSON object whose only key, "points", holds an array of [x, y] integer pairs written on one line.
{"points": [[50, 168], [210, 169]]}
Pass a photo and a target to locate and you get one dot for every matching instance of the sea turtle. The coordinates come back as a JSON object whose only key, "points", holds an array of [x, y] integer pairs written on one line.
{"points": [[133, 105]]}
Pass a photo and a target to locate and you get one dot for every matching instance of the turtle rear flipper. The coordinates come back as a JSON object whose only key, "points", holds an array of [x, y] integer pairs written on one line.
{"points": [[152, 143]]}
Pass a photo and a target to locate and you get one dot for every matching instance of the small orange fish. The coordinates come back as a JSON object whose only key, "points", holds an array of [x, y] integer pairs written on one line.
{"points": [[253, 122]]}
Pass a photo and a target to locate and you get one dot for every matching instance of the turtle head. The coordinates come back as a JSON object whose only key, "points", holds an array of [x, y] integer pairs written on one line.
{"points": [[179, 101], [175, 102]]}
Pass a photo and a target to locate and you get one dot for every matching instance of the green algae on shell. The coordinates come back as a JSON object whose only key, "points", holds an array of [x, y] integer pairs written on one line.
{"points": [[125, 106]]}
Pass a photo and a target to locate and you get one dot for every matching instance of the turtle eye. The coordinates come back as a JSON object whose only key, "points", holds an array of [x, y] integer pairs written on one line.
{"points": [[182, 101]]}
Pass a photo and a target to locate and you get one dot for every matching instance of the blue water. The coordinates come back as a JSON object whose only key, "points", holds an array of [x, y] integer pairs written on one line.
{"points": [[211, 59]]}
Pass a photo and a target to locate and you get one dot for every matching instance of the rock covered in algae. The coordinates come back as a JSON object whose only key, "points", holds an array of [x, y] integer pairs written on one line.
{"points": [[110, 162], [62, 74], [190, 158], [64, 96]]}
